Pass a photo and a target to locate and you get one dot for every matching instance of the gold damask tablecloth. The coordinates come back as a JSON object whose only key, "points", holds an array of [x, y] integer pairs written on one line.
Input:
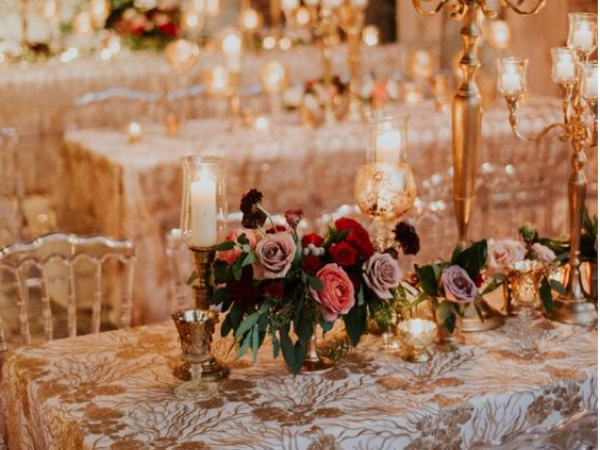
{"points": [[134, 191], [115, 392]]}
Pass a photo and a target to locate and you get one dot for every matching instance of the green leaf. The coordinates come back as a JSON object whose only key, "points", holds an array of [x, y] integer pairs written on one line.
{"points": [[243, 239], [546, 295], [193, 277], [446, 315], [276, 346], [245, 345], [360, 298], [315, 283], [293, 354], [246, 324], [236, 269], [236, 314], [221, 295], [227, 245], [557, 286], [356, 323], [221, 272], [248, 259], [473, 258], [428, 280], [255, 343], [477, 306], [226, 326], [326, 326]]}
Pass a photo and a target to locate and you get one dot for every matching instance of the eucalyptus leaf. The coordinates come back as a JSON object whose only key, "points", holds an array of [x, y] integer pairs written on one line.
{"points": [[557, 286], [223, 246], [246, 325], [315, 283], [545, 292], [428, 280], [193, 277], [255, 343], [245, 345]]}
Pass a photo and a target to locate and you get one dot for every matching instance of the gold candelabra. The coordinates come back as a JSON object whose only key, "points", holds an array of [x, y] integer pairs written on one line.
{"points": [[467, 115], [578, 80], [326, 18]]}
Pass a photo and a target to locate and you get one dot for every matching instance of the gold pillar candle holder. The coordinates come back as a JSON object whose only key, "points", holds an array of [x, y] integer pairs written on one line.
{"points": [[571, 71], [203, 221], [195, 328], [417, 335]]}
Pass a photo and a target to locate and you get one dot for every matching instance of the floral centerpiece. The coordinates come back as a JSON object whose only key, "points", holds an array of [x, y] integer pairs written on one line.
{"points": [[144, 24], [311, 98], [452, 286], [376, 93], [273, 282]]}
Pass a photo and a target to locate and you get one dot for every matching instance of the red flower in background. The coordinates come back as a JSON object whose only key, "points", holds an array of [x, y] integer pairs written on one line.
{"points": [[343, 254], [312, 264], [344, 223], [358, 237], [312, 238], [169, 29]]}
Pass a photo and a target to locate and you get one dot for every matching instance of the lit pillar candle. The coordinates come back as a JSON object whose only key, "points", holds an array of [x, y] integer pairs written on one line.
{"points": [[203, 204], [290, 5], [388, 145], [134, 132], [511, 83], [232, 48], [565, 70], [590, 88]]}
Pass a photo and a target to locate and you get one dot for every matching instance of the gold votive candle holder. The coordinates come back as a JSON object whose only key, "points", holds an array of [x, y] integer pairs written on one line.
{"points": [[417, 335], [524, 278]]}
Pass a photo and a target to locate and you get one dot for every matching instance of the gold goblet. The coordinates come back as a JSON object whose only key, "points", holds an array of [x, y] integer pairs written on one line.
{"points": [[525, 278], [195, 328]]}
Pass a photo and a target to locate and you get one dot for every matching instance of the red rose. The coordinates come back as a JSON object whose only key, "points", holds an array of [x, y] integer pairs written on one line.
{"points": [[275, 290], [243, 292], [479, 280], [343, 254], [169, 29], [343, 223], [312, 264], [312, 238], [360, 240], [277, 229]]}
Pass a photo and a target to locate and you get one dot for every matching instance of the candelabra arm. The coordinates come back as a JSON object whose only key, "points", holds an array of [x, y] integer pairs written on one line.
{"points": [[425, 12], [513, 105], [538, 6]]}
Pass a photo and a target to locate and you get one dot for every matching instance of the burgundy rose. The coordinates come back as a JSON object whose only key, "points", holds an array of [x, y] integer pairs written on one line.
{"points": [[275, 290], [169, 29], [243, 292], [458, 286], [358, 237], [312, 264], [344, 223], [343, 254]]}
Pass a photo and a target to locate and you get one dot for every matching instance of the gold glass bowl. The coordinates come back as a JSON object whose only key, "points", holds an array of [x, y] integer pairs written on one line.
{"points": [[417, 335]]}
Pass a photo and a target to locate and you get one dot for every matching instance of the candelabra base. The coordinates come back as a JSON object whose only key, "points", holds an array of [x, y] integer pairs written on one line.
{"points": [[471, 323], [573, 312], [212, 370]]}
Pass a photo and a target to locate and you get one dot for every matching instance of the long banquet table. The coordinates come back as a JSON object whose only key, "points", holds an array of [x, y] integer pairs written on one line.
{"points": [[133, 191], [114, 391]]}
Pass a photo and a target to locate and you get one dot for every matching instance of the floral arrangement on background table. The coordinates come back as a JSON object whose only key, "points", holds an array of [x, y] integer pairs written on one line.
{"points": [[311, 97], [273, 282], [376, 93], [145, 24]]}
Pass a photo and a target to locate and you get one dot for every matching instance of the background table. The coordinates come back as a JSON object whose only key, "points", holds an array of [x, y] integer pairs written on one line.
{"points": [[134, 191], [114, 391]]}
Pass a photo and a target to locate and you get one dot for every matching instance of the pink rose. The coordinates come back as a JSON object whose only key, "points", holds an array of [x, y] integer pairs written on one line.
{"points": [[504, 253], [229, 256], [337, 295], [381, 273], [542, 253], [275, 254], [458, 286]]}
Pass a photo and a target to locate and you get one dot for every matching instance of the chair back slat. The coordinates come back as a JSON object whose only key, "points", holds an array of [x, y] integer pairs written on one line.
{"points": [[73, 275]]}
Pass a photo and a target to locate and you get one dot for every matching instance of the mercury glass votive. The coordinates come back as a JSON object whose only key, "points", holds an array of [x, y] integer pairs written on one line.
{"points": [[195, 328], [417, 335], [387, 136], [512, 76], [583, 33], [524, 279], [564, 65]]}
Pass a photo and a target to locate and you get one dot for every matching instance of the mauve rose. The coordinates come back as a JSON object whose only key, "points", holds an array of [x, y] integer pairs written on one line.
{"points": [[337, 295], [458, 286], [504, 253], [381, 273], [542, 253], [229, 256], [293, 217], [275, 254]]}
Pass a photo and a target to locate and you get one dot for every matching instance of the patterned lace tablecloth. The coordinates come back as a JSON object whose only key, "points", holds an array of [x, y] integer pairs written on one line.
{"points": [[115, 392], [134, 191]]}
